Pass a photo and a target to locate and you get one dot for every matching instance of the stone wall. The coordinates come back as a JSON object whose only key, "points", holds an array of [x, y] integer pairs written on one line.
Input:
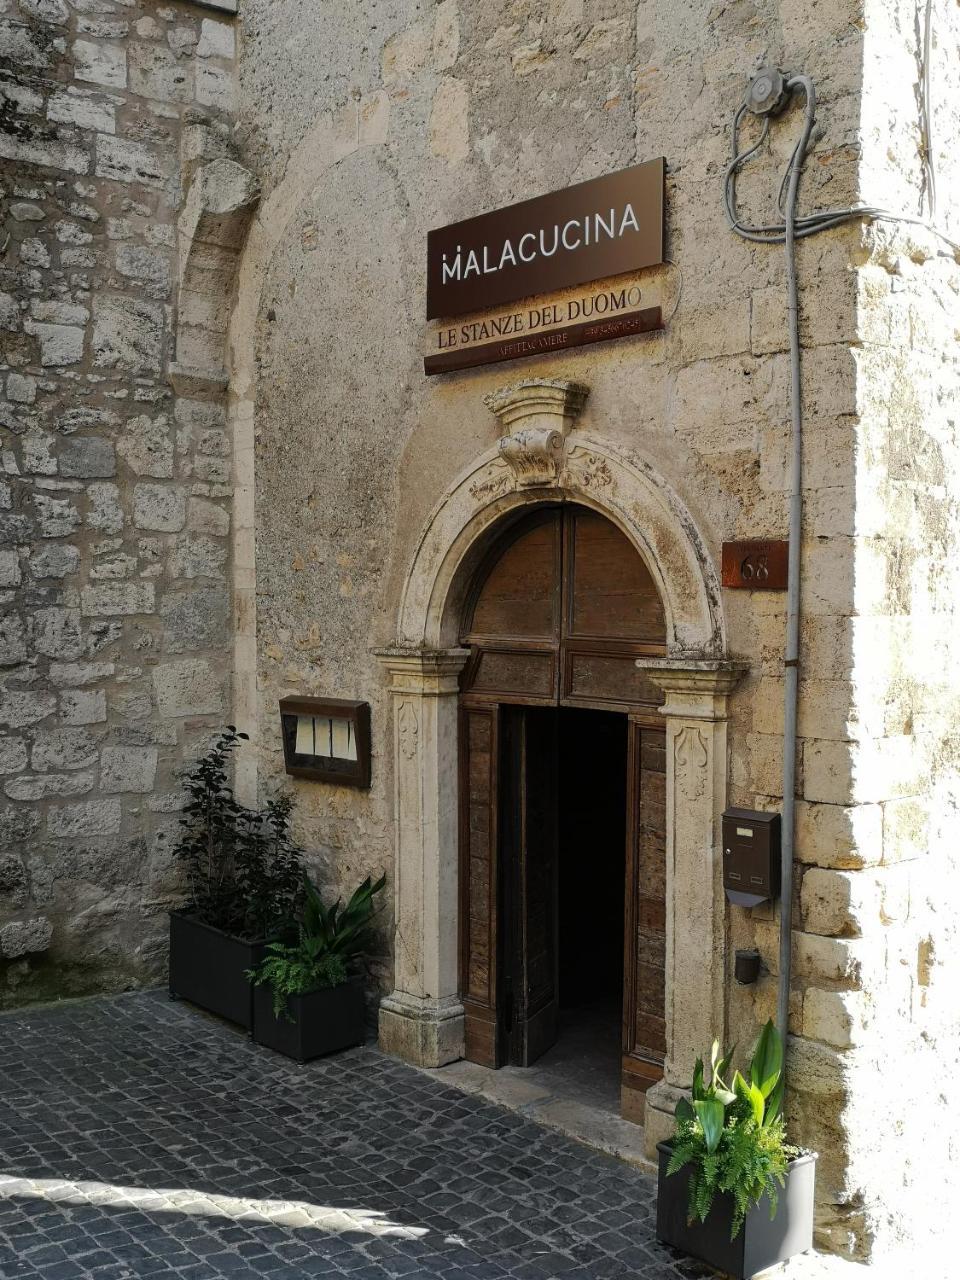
{"points": [[115, 492]]}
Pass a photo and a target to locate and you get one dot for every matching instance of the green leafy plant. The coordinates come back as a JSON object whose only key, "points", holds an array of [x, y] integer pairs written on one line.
{"points": [[732, 1135], [244, 870], [330, 940]]}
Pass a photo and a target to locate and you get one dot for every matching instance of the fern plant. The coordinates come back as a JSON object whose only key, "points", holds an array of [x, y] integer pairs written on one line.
{"points": [[732, 1136], [330, 940], [294, 969]]}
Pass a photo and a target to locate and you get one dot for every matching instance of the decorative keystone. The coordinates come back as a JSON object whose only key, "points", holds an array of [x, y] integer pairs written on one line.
{"points": [[536, 416]]}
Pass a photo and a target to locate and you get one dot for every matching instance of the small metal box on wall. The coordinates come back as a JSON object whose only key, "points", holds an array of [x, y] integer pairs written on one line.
{"points": [[751, 856], [326, 740]]}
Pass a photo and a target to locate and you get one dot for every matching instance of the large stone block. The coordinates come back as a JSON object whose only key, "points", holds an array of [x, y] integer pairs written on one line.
{"points": [[46, 785], [87, 458], [100, 63], [60, 344], [18, 824], [88, 818], [843, 836], [196, 556], [10, 574], [83, 706], [14, 885], [56, 517], [86, 111], [149, 266], [68, 674], [124, 160], [128, 769], [57, 633], [160, 507], [62, 749], [195, 619], [13, 755], [117, 598], [13, 643], [187, 688], [104, 508], [848, 963], [157, 73], [127, 334], [48, 152], [147, 448], [20, 707], [840, 903], [834, 1017], [23, 937]]}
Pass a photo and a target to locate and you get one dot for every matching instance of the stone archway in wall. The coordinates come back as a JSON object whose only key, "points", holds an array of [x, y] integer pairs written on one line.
{"points": [[541, 457]]}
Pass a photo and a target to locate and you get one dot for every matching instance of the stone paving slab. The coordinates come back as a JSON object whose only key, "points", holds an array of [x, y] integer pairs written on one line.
{"points": [[140, 1138]]}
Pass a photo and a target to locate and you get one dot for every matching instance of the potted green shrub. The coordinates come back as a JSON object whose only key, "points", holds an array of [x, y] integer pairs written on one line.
{"points": [[308, 997], [245, 880], [731, 1190]]}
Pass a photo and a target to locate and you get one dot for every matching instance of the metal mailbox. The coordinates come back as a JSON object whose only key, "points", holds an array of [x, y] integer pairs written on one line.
{"points": [[751, 856]]}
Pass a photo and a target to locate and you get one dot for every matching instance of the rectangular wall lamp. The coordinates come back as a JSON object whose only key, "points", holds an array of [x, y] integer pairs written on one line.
{"points": [[326, 740]]}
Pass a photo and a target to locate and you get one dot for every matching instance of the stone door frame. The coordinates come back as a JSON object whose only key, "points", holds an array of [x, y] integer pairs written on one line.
{"points": [[540, 458]]}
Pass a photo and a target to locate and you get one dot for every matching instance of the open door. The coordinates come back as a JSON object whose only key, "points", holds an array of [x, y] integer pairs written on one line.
{"points": [[529, 866]]}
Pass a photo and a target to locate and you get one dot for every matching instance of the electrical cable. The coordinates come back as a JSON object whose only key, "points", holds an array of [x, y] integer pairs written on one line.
{"points": [[791, 657], [811, 223]]}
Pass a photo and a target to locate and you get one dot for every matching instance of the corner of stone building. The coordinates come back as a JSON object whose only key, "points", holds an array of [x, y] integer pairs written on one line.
{"points": [[117, 486], [874, 1022]]}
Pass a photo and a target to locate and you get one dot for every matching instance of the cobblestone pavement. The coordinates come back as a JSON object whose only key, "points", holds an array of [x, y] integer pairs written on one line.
{"points": [[139, 1138]]}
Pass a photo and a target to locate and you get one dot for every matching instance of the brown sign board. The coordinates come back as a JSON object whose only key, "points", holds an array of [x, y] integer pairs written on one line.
{"points": [[590, 231], [759, 564], [578, 317]]}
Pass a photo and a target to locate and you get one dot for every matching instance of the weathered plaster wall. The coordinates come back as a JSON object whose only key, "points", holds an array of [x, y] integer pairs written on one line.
{"points": [[371, 130], [115, 493]]}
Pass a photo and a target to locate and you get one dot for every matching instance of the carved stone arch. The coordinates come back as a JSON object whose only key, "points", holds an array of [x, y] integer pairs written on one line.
{"points": [[591, 471], [540, 460]]}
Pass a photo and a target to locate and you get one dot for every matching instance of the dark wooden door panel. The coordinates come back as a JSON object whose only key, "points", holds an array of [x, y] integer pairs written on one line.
{"points": [[508, 673], [479, 969], [519, 592], [644, 1043], [528, 823], [538, 1022], [609, 590]]}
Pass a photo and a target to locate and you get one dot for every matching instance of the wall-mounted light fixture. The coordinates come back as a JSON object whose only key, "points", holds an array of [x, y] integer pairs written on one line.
{"points": [[327, 740]]}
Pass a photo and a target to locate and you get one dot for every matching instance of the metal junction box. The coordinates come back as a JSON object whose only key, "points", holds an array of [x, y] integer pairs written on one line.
{"points": [[751, 856]]}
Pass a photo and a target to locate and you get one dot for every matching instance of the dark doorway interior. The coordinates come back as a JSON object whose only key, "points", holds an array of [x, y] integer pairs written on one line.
{"points": [[592, 805]]}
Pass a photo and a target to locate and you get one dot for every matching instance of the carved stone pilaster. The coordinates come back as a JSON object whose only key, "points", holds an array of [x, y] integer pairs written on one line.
{"points": [[536, 416], [421, 1021], [696, 714]]}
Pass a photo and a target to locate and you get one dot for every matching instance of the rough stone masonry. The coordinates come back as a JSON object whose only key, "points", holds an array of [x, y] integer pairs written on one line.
{"points": [[115, 493]]}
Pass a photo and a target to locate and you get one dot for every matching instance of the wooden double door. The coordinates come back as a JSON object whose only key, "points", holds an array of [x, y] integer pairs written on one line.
{"points": [[562, 785]]}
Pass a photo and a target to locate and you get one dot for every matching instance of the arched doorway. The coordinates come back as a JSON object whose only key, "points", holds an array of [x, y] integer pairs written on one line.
{"points": [[562, 797]]}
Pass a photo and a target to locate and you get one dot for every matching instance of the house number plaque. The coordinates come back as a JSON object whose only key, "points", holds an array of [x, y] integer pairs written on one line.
{"points": [[756, 565]]}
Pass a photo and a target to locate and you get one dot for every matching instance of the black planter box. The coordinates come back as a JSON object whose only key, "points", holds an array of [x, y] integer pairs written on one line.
{"points": [[209, 967], [762, 1243], [323, 1021]]}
